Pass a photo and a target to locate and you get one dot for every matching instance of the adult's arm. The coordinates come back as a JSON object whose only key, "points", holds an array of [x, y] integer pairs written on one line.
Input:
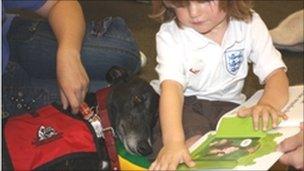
{"points": [[67, 21]]}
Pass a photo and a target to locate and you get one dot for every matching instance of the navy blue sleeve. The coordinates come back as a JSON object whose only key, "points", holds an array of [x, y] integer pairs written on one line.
{"points": [[31, 5]]}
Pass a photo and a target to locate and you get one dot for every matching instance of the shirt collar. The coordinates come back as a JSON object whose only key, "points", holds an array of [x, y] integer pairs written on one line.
{"points": [[197, 40], [235, 33]]}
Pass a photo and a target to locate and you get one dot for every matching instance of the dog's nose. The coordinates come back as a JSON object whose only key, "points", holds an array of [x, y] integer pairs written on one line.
{"points": [[144, 148]]}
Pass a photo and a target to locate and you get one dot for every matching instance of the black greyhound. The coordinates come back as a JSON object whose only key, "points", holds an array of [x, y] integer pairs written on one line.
{"points": [[132, 106]]}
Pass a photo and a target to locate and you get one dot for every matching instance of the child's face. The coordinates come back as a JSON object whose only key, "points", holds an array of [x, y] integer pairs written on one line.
{"points": [[203, 16]]}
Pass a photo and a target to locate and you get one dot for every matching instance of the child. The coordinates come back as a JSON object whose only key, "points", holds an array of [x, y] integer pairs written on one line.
{"points": [[203, 51]]}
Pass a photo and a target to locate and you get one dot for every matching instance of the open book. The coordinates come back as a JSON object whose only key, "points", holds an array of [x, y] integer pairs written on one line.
{"points": [[236, 145]]}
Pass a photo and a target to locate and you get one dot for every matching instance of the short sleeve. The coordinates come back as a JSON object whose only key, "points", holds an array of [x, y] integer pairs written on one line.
{"points": [[169, 58], [265, 57], [31, 5]]}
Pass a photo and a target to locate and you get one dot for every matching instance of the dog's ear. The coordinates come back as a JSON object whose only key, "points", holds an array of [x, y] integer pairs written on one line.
{"points": [[117, 73]]}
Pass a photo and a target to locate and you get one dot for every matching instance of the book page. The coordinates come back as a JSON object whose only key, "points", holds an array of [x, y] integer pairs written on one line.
{"points": [[293, 109], [235, 145]]}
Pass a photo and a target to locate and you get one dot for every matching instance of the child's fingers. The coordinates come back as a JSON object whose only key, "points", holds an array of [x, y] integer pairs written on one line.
{"points": [[265, 116], [172, 166], [244, 112], [256, 122], [275, 118], [163, 166], [188, 161], [283, 115], [152, 166], [256, 117], [156, 165]]}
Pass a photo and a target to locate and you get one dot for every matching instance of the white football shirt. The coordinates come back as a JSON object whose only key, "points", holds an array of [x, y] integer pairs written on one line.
{"points": [[211, 71]]}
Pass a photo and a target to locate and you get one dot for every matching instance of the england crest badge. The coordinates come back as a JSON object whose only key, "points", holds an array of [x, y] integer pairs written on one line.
{"points": [[234, 60]]}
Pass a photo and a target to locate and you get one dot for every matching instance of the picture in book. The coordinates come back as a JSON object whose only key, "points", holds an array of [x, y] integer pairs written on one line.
{"points": [[228, 148]]}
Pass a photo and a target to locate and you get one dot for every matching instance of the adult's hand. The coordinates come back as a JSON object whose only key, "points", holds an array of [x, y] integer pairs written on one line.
{"points": [[72, 79], [293, 149]]}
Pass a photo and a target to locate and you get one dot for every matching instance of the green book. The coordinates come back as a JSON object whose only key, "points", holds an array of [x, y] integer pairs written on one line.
{"points": [[236, 145]]}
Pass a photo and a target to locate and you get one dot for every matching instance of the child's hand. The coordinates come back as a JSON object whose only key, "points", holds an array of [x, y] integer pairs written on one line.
{"points": [[262, 111], [170, 156]]}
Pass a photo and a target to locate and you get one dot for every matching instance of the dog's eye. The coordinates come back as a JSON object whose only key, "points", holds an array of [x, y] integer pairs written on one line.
{"points": [[136, 100]]}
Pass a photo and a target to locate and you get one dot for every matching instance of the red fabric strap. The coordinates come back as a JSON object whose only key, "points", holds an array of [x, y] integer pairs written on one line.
{"points": [[107, 128]]}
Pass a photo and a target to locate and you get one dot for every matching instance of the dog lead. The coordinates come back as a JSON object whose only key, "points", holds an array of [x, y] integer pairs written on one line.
{"points": [[89, 115]]}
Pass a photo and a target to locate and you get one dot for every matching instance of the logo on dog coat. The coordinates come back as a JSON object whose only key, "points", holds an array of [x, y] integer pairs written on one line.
{"points": [[234, 60], [46, 134]]}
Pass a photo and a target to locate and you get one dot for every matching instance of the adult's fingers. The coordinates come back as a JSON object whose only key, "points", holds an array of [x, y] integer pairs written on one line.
{"points": [[294, 158], [291, 143], [84, 86], [74, 102], [83, 94], [64, 100]]}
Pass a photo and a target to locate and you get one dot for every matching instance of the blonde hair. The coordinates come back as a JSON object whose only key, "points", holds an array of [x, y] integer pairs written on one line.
{"points": [[163, 10]]}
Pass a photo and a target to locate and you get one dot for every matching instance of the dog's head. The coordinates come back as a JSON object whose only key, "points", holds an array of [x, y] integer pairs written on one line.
{"points": [[132, 105]]}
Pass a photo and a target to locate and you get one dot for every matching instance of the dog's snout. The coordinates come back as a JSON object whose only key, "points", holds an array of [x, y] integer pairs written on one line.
{"points": [[144, 148]]}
